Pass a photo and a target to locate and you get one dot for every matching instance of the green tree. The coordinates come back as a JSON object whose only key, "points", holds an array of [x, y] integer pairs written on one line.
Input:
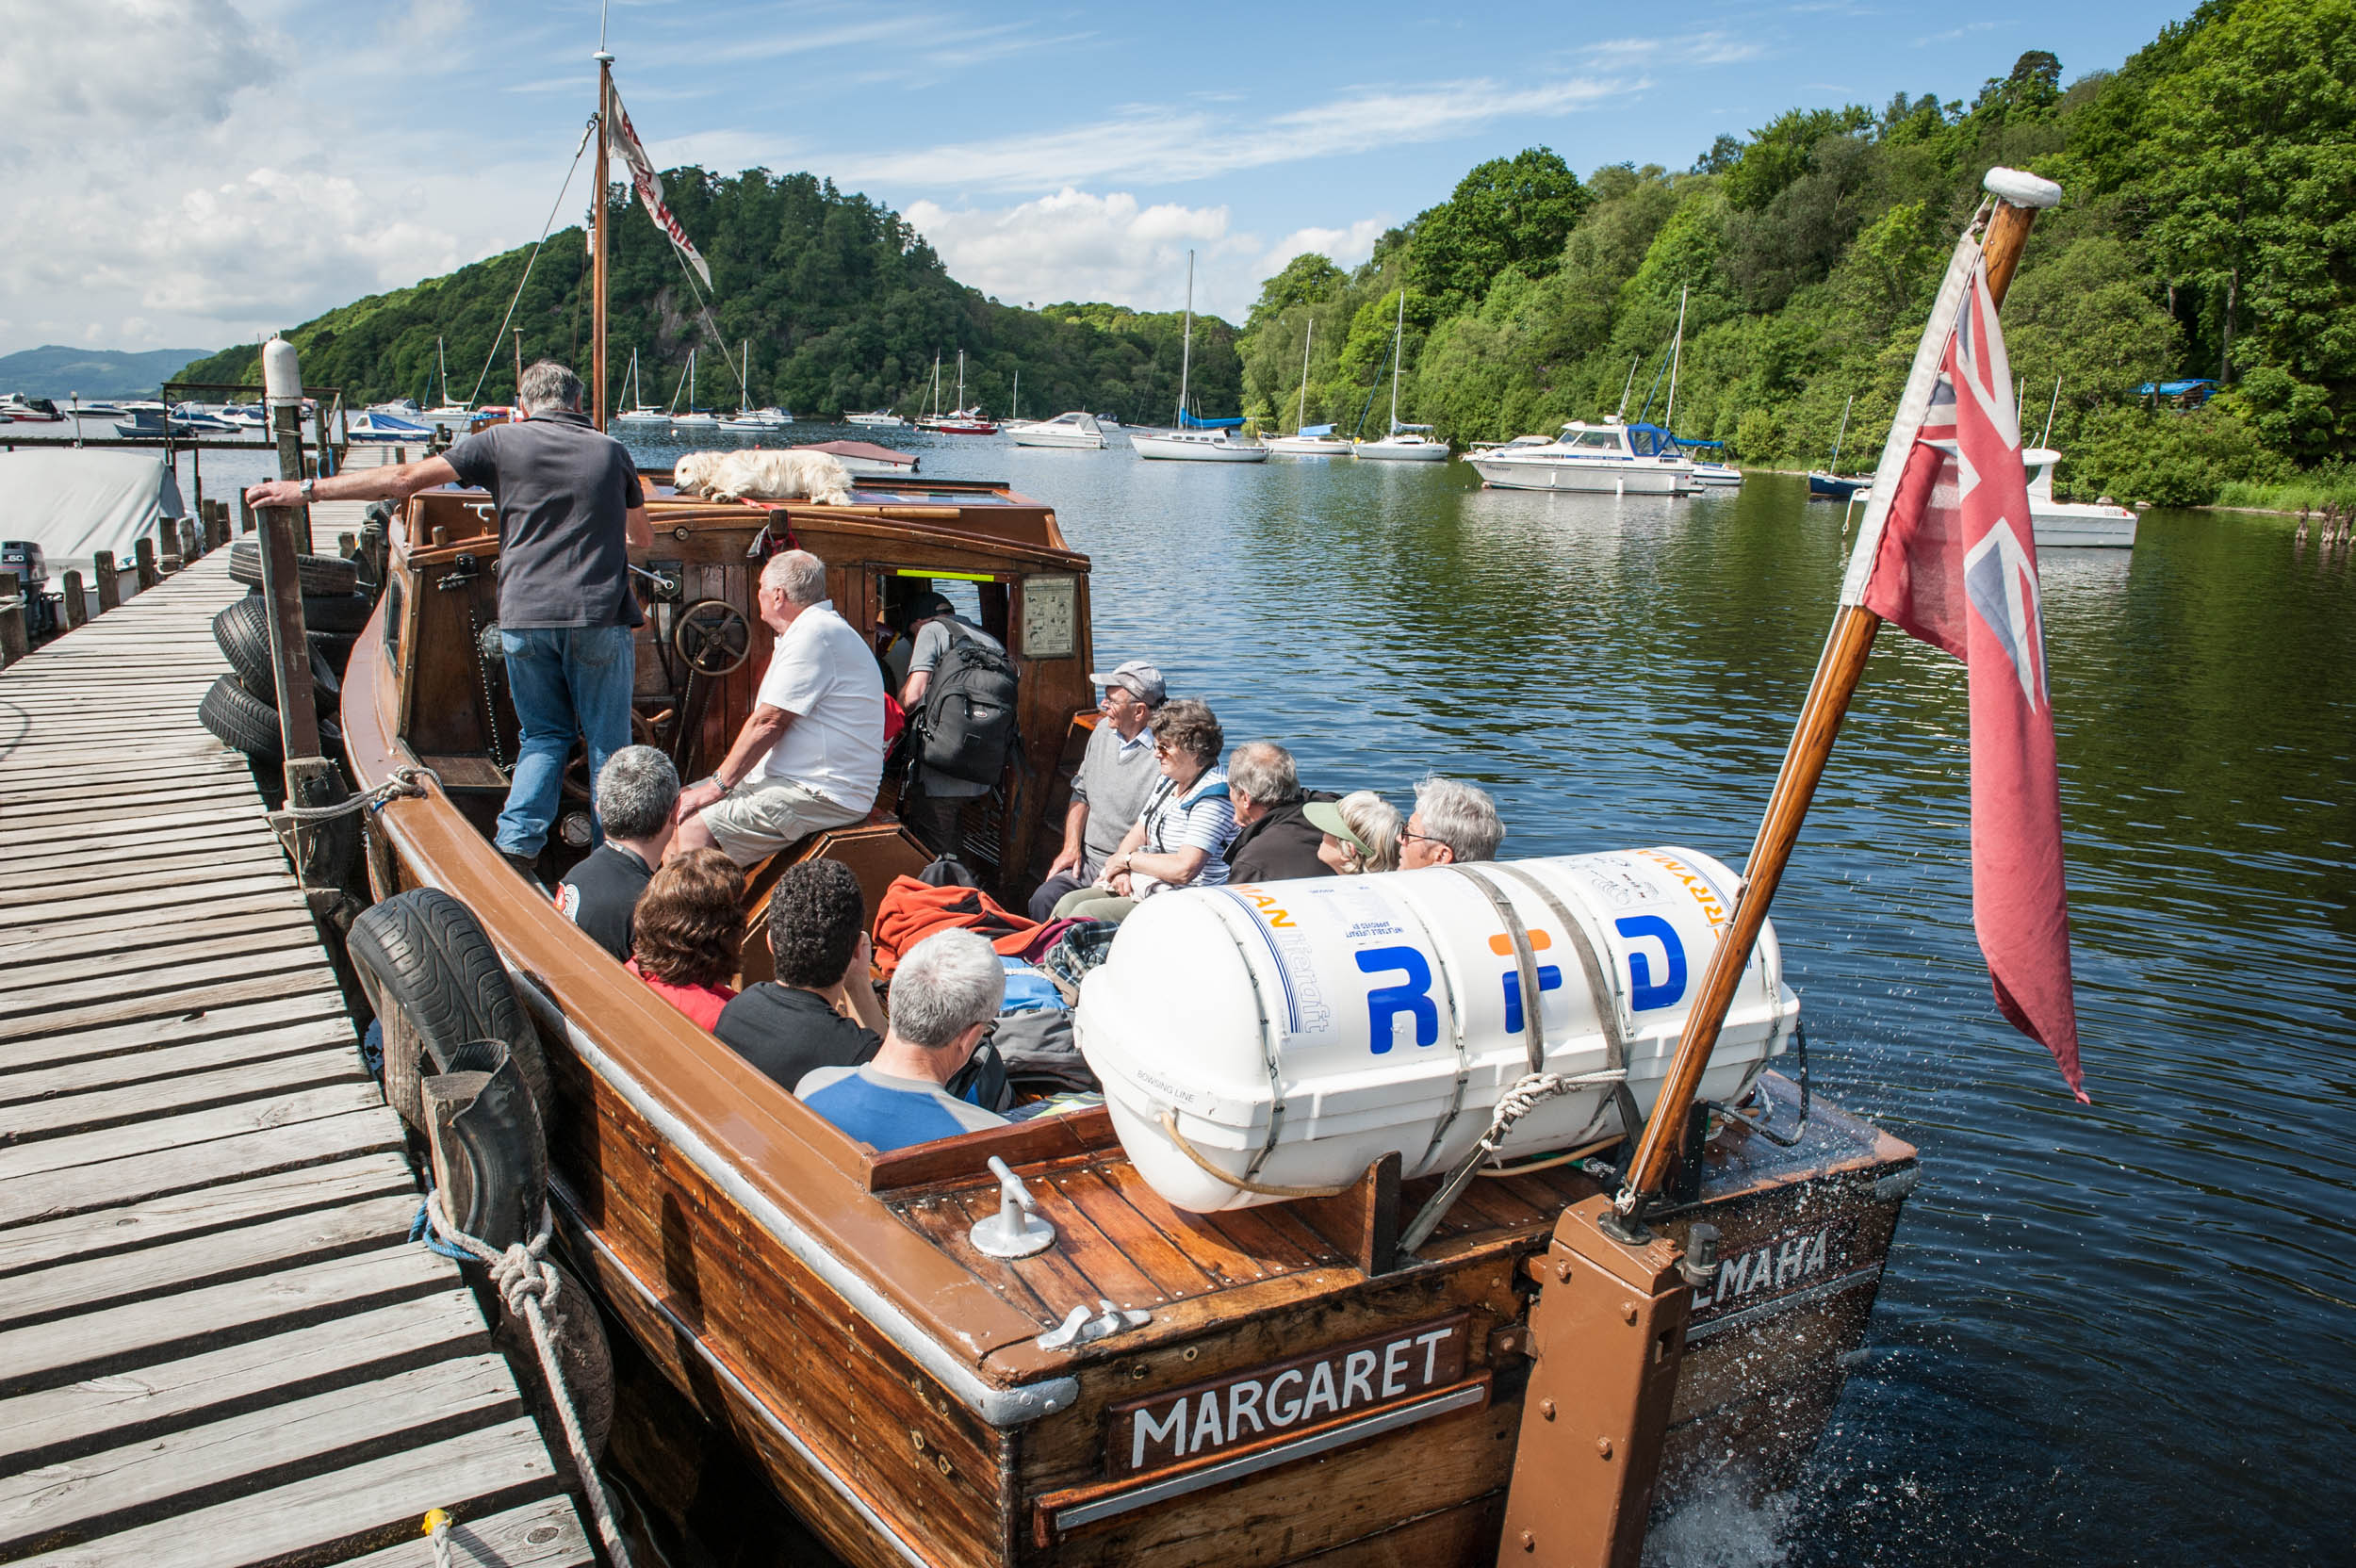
{"points": [[1507, 212]]}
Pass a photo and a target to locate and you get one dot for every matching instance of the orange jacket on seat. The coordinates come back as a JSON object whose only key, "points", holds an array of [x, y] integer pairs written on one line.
{"points": [[913, 911]]}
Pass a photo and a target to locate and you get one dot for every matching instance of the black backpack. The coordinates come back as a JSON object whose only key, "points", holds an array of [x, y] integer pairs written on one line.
{"points": [[966, 723]]}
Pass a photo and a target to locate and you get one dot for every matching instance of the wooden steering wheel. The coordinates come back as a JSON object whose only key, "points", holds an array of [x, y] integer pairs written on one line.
{"points": [[713, 636]]}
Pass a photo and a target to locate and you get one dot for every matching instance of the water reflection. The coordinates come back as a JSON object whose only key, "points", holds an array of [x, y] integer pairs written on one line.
{"points": [[2113, 1334]]}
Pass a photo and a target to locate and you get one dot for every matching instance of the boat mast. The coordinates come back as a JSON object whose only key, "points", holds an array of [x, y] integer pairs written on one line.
{"points": [[1014, 404], [2047, 439], [1302, 412], [744, 379], [598, 266], [1628, 386], [960, 408], [1186, 353], [936, 383], [1676, 351], [1398, 340], [1835, 465]]}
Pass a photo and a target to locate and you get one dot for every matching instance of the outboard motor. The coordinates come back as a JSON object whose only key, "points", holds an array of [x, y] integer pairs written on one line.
{"points": [[1258, 1040], [24, 557]]}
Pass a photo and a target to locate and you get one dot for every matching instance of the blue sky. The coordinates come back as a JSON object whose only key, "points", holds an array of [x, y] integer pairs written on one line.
{"points": [[1048, 153]]}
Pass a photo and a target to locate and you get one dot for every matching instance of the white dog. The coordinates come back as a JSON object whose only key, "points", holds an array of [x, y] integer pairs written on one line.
{"points": [[774, 475], [692, 474]]}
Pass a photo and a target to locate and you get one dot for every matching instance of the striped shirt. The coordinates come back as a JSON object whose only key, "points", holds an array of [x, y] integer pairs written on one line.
{"points": [[1203, 818]]}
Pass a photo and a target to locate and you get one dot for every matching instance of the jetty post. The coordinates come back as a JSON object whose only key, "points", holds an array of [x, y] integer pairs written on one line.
{"points": [[311, 779]]}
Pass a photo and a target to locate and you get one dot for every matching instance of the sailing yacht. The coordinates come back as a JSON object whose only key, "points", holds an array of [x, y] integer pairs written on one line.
{"points": [[748, 421], [1828, 482], [1307, 440], [448, 408], [1406, 443], [1196, 440], [638, 411], [694, 417], [965, 420]]}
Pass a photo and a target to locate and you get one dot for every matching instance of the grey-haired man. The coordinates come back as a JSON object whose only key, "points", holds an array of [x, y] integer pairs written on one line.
{"points": [[569, 509], [1116, 775]]}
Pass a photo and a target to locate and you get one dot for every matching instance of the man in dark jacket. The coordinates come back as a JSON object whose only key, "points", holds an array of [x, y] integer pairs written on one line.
{"points": [[1277, 841]]}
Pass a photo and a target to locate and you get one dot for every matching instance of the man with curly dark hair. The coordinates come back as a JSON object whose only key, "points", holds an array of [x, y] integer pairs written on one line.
{"points": [[821, 1010]]}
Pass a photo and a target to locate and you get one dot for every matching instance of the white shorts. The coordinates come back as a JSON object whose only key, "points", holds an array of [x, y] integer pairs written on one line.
{"points": [[760, 817]]}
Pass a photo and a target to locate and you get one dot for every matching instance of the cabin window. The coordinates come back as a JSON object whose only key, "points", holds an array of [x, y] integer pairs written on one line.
{"points": [[392, 620], [1598, 440]]}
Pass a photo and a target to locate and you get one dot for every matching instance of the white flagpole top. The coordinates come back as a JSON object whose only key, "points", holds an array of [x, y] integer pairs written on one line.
{"points": [[2022, 189]]}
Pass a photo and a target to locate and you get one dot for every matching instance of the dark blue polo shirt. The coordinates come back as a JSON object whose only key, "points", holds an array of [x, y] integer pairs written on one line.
{"points": [[564, 490]]}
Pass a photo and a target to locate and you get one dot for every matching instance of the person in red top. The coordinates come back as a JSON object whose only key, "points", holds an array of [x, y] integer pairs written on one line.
{"points": [[688, 931]]}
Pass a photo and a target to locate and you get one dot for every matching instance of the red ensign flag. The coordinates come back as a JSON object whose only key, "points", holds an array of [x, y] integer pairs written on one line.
{"points": [[1957, 566]]}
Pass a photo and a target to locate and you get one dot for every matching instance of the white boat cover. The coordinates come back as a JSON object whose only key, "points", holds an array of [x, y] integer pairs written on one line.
{"points": [[75, 501]]}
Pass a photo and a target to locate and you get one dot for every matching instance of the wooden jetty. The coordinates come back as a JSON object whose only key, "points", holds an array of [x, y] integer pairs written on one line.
{"points": [[218, 1344]]}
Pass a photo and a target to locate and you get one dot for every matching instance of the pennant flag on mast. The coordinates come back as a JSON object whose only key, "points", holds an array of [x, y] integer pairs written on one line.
{"points": [[1946, 552], [622, 138]]}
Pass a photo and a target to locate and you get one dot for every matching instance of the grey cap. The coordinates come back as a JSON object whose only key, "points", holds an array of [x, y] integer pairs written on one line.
{"points": [[1137, 676]]}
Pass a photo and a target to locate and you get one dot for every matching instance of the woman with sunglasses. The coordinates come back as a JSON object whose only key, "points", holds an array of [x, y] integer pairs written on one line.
{"points": [[1180, 840]]}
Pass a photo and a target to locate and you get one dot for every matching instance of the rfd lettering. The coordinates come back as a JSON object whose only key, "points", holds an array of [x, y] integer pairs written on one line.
{"points": [[1410, 996]]}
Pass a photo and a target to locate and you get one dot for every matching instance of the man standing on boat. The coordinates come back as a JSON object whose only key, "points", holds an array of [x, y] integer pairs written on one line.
{"points": [[569, 510]]}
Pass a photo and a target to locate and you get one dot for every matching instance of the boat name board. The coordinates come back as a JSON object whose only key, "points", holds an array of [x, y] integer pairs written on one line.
{"points": [[1780, 1265], [1263, 1401]]}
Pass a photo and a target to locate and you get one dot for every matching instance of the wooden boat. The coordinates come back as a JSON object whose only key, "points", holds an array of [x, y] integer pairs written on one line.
{"points": [[918, 1395], [906, 1394]]}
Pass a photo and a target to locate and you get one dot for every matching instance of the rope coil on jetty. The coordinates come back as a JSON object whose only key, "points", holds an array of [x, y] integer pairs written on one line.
{"points": [[528, 1284]]}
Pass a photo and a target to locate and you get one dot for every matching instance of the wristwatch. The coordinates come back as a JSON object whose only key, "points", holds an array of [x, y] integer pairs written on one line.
{"points": [[310, 491]]}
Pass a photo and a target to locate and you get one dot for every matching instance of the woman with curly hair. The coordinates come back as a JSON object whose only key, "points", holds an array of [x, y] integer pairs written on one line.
{"points": [[1180, 840], [1361, 830], [688, 930]]}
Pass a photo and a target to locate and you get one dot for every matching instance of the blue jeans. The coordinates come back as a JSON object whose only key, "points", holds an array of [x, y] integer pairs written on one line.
{"points": [[566, 681]]}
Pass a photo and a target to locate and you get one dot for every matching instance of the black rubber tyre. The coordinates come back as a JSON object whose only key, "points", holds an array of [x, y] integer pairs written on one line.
{"points": [[318, 574], [240, 719], [327, 686], [243, 631], [247, 723], [335, 649], [435, 980], [337, 614]]}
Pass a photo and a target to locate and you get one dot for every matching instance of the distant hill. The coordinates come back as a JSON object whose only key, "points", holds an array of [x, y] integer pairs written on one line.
{"points": [[54, 370], [843, 303]]}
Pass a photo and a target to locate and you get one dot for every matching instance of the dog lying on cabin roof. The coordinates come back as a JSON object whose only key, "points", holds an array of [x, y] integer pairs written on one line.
{"points": [[766, 475]]}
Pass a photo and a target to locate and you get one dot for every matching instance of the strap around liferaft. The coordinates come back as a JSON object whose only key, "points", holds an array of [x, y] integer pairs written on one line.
{"points": [[1525, 960]]}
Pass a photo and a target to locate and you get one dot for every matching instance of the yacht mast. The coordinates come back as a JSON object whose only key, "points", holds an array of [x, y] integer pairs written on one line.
{"points": [[960, 408], [1186, 354], [1677, 352], [1301, 413], [597, 265], [744, 379], [936, 383], [1628, 386], [1399, 341], [1014, 404]]}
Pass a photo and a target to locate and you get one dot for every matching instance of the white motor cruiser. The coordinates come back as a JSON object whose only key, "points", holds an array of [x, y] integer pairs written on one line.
{"points": [[2072, 525], [1611, 458], [1064, 429]]}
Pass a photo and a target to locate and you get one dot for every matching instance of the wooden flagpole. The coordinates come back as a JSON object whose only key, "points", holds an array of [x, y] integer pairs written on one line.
{"points": [[1835, 681]]}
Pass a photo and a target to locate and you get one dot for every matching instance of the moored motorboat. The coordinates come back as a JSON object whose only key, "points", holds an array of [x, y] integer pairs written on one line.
{"points": [[20, 409], [2072, 525], [376, 425], [881, 419], [1611, 458], [1075, 429]]}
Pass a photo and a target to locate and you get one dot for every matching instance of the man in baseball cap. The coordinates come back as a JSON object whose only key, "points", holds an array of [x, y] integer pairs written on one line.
{"points": [[1140, 679], [1114, 776]]}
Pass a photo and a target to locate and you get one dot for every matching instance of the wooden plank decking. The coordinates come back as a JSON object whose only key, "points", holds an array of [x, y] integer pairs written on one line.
{"points": [[216, 1344]]}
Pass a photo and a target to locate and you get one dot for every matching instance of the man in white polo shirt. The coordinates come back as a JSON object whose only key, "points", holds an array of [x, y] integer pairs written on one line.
{"points": [[811, 755]]}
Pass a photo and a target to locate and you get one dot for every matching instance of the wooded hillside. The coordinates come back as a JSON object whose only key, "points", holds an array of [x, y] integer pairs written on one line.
{"points": [[2208, 230], [844, 305]]}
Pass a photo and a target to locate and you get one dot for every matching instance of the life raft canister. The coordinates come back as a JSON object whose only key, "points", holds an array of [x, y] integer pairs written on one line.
{"points": [[1293, 1033]]}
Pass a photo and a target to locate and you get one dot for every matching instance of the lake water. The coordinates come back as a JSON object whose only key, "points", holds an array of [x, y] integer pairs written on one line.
{"points": [[2116, 1334]]}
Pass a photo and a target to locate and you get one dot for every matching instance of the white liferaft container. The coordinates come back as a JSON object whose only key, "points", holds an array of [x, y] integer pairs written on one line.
{"points": [[1293, 1033]]}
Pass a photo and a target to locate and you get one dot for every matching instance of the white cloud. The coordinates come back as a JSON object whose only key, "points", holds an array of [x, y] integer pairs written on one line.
{"points": [[1075, 245], [1160, 146]]}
